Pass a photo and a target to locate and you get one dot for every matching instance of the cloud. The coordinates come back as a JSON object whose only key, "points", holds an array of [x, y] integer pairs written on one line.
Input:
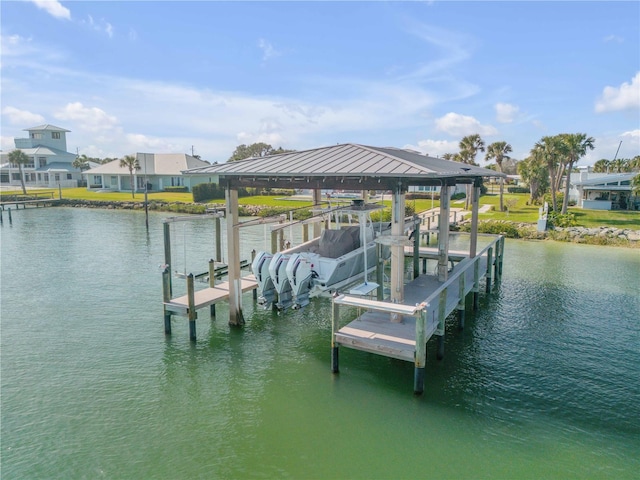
{"points": [[458, 125], [53, 8], [634, 134], [92, 119], [613, 38], [98, 26], [434, 148], [506, 113], [268, 51], [22, 117], [627, 96]]}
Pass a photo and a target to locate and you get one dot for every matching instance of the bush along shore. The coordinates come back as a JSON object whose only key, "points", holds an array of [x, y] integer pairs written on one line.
{"points": [[594, 236]]}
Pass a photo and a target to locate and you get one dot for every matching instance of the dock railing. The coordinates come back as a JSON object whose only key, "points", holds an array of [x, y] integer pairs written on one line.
{"points": [[430, 314]]}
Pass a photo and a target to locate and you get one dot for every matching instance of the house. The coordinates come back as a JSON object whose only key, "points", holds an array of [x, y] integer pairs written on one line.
{"points": [[157, 170], [604, 191], [50, 164]]}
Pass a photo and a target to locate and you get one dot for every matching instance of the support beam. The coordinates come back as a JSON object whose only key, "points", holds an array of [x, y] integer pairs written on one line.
{"points": [[416, 246], [317, 199], [218, 240], [397, 251], [166, 297], [443, 235], [335, 368], [475, 204], [236, 318], [192, 308], [421, 352], [167, 251]]}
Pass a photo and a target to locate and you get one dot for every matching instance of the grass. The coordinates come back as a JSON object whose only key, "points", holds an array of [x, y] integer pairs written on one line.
{"points": [[520, 212]]}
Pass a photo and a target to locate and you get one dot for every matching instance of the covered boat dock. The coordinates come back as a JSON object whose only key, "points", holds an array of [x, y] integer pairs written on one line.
{"points": [[400, 324]]}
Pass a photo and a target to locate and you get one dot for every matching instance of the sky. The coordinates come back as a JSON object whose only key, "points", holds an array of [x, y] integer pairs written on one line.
{"points": [[203, 77]]}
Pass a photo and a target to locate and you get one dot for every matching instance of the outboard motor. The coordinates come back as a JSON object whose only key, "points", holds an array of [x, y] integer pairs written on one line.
{"points": [[300, 273], [260, 268], [277, 271]]}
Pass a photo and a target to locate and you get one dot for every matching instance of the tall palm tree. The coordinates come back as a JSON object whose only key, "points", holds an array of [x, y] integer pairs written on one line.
{"points": [[550, 149], [18, 157], [469, 148], [575, 147], [602, 166], [132, 163], [499, 151]]}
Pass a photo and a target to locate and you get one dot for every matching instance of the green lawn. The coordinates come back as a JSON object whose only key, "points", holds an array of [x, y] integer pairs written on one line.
{"points": [[519, 212]]}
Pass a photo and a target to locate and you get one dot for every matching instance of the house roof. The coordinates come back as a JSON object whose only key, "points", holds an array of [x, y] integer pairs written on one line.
{"points": [[47, 126], [152, 164], [605, 179], [57, 167], [349, 160]]}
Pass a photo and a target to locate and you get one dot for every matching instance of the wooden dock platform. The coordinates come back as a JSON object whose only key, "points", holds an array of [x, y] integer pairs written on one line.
{"points": [[207, 296], [401, 330]]}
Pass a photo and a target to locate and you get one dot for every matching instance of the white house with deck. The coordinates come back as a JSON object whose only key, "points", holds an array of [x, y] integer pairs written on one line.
{"points": [[157, 171], [604, 191], [50, 164]]}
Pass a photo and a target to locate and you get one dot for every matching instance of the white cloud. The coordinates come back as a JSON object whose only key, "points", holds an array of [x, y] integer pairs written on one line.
{"points": [[98, 26], [53, 8], [627, 96], [634, 134], [268, 51], [458, 125], [434, 148], [22, 118], [613, 38], [92, 119], [506, 113]]}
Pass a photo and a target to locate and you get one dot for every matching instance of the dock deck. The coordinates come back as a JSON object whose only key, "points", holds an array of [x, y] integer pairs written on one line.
{"points": [[208, 296]]}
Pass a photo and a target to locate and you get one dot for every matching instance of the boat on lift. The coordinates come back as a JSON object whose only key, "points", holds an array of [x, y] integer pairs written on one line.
{"points": [[339, 257]]}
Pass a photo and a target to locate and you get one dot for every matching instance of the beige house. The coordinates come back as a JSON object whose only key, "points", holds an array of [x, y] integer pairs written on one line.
{"points": [[157, 171]]}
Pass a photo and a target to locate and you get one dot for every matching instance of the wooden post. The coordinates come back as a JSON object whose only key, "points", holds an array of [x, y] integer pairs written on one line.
{"points": [[335, 368], [416, 246], [461, 301], [274, 241], [167, 251], [192, 308], [317, 198], [1, 210], [281, 239], [166, 297], [380, 273], [218, 240], [442, 314], [10, 219], [236, 318], [212, 283], [397, 250], [255, 290], [443, 235], [476, 285], [475, 203], [496, 266], [305, 232], [489, 269], [421, 352]]}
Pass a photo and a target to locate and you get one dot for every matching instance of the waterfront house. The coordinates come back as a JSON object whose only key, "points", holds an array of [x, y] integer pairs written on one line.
{"points": [[604, 191], [50, 164], [157, 170]]}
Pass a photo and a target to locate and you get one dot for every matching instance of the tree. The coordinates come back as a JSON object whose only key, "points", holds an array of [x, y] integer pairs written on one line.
{"points": [[602, 166], [254, 150], [81, 163], [469, 148], [575, 146], [550, 149], [499, 151], [18, 157], [635, 185], [533, 170], [634, 164], [131, 162]]}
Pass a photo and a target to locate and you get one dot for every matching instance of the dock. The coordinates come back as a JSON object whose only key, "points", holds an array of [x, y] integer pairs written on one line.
{"points": [[30, 200], [402, 330]]}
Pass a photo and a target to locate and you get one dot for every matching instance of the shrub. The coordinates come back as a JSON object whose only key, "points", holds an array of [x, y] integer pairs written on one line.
{"points": [[458, 196], [207, 191], [176, 189], [562, 220], [518, 190]]}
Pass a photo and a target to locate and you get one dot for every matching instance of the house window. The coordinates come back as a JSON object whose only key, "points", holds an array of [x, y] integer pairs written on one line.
{"points": [[37, 136], [69, 176], [15, 176], [97, 179], [176, 181], [39, 177], [55, 135], [57, 177], [42, 161], [46, 177]]}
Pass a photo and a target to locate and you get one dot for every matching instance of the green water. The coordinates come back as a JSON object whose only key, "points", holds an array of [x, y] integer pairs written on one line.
{"points": [[542, 383]]}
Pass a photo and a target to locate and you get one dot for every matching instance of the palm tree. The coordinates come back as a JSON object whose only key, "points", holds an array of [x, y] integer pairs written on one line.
{"points": [[533, 170], [498, 151], [132, 163], [550, 149], [601, 166], [469, 148], [575, 147], [18, 157], [81, 163]]}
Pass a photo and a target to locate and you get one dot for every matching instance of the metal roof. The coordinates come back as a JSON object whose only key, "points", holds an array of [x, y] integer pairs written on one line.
{"points": [[47, 126], [152, 164], [348, 160]]}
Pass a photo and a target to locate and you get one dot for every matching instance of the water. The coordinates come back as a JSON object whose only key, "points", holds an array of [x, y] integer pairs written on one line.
{"points": [[543, 382]]}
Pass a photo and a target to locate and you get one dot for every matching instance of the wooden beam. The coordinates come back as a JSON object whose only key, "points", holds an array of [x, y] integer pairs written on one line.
{"points": [[397, 251], [475, 202], [443, 234], [233, 245]]}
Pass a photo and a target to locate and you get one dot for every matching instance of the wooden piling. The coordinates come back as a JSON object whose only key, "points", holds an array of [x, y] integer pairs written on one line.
{"points": [[255, 290], [305, 232], [10, 219], [380, 273], [166, 297], [421, 352], [212, 283], [218, 234], [416, 246], [335, 368], [489, 269], [167, 251], [192, 308], [442, 313], [461, 302]]}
